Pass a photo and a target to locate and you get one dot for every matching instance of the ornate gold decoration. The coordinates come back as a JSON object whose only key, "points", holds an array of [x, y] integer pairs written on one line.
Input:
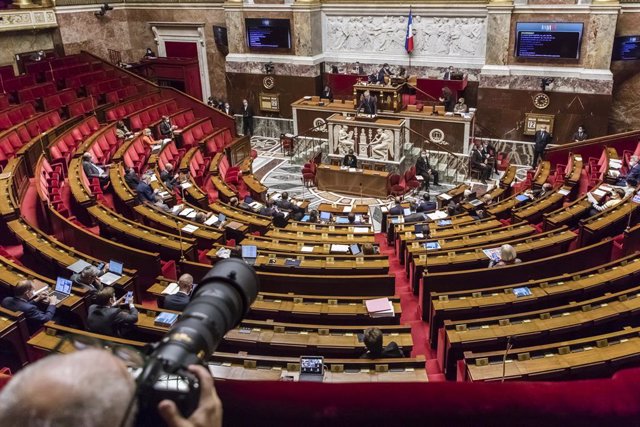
{"points": [[269, 82], [541, 101]]}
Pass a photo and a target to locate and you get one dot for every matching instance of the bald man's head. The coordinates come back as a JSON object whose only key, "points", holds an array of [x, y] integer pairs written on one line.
{"points": [[90, 388]]}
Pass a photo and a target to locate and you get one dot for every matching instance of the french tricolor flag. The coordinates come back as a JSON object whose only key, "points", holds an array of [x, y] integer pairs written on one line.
{"points": [[408, 44]]}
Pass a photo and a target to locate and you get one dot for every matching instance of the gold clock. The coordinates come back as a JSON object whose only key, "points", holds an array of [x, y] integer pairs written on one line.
{"points": [[541, 101], [268, 82]]}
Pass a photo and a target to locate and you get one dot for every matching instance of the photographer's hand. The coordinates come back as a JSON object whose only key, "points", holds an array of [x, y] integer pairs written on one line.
{"points": [[209, 411]]}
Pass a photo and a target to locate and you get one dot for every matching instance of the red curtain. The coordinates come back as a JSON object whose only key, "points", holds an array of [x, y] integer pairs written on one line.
{"points": [[181, 49]]}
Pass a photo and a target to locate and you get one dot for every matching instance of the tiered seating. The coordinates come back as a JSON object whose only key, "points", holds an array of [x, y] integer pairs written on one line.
{"points": [[13, 85], [144, 118], [62, 149], [58, 100], [15, 115], [32, 93], [137, 155], [195, 133], [120, 111]]}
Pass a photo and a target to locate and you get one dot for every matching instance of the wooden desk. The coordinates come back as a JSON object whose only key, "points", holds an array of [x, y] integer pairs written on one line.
{"points": [[387, 97], [333, 178], [335, 208]]}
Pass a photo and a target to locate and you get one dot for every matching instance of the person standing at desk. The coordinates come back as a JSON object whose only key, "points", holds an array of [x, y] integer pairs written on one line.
{"points": [[247, 118], [448, 75], [327, 93], [580, 135], [350, 160], [368, 104], [384, 71], [541, 138]]}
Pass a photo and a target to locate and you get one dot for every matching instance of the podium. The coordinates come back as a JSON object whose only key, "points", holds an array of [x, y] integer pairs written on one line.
{"points": [[388, 97], [376, 140]]}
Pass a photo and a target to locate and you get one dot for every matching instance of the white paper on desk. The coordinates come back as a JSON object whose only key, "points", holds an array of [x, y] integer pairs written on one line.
{"points": [[190, 228], [591, 198], [298, 203], [346, 209], [156, 147], [564, 191], [176, 208], [306, 249], [276, 196], [186, 212], [360, 229], [192, 215], [171, 289], [605, 187], [598, 192], [163, 194], [153, 178], [445, 196], [186, 185], [344, 168], [339, 248], [419, 177], [437, 215], [419, 235], [211, 220], [223, 253], [352, 169]]}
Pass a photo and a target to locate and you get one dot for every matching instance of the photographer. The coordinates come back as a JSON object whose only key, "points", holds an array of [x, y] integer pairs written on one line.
{"points": [[88, 399]]}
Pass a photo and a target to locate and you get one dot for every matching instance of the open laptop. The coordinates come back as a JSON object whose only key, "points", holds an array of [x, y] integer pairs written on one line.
{"points": [[78, 266], [325, 216], [249, 254], [62, 289], [311, 368], [114, 273], [221, 219], [406, 211]]}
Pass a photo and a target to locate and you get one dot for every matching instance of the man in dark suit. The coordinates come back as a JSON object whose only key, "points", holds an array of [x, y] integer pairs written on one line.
{"points": [[580, 135], [146, 194], [541, 138], [426, 205], [168, 177], [24, 301], [247, 118], [106, 317], [268, 209], [131, 178], [384, 71], [166, 128], [397, 208], [180, 299], [358, 69], [479, 162], [285, 204], [88, 279], [350, 160], [327, 93], [92, 170], [368, 104], [227, 109], [448, 75], [375, 349], [424, 170]]}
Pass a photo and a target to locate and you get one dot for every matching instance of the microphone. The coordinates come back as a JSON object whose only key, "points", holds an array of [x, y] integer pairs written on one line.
{"points": [[182, 258], [504, 358]]}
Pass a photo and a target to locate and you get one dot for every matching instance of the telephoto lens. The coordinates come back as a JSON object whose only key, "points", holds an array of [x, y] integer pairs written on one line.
{"points": [[220, 301]]}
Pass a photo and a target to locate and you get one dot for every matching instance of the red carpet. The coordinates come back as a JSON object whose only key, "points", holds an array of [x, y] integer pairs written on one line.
{"points": [[409, 303]]}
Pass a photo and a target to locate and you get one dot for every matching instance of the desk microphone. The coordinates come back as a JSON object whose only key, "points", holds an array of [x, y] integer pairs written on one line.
{"points": [[182, 258], [504, 358], [360, 193]]}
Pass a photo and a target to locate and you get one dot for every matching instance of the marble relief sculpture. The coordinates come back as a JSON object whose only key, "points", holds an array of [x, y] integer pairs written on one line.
{"points": [[382, 145], [463, 37], [345, 140]]}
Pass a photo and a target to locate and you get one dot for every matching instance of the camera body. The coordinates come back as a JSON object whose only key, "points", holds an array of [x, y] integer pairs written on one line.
{"points": [[217, 305]]}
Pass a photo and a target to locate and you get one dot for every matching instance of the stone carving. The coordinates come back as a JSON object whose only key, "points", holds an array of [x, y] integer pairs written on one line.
{"points": [[382, 145], [345, 140], [463, 37]]}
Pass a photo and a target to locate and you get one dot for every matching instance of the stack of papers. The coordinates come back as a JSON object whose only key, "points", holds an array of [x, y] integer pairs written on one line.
{"points": [[346, 209], [172, 288], [360, 229], [190, 228], [340, 248], [380, 307], [445, 196], [186, 212], [223, 253], [306, 249], [165, 319], [434, 216], [211, 220], [176, 208], [564, 191], [185, 185]]}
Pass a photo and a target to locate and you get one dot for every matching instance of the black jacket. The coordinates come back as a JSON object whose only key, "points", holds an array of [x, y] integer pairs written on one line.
{"points": [[541, 141], [350, 160], [177, 301], [422, 166], [391, 350], [110, 320], [34, 315]]}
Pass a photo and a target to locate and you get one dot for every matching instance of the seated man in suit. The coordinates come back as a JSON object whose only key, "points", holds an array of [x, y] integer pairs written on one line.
{"points": [[375, 349], [92, 170], [24, 301], [479, 162], [425, 170], [131, 178], [268, 209], [397, 208], [426, 205], [106, 317], [351, 217], [167, 128], [180, 299], [581, 134], [633, 172], [88, 279], [167, 176], [350, 160], [146, 194], [327, 93], [286, 204], [122, 132]]}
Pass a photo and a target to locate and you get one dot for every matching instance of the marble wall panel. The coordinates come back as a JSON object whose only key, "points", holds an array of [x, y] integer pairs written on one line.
{"points": [[498, 36], [15, 42], [418, 70], [599, 39], [235, 30], [560, 84]]}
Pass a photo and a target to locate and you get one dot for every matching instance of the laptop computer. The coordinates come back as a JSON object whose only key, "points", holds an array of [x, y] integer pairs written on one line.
{"points": [[62, 289], [325, 216], [78, 266], [249, 254], [406, 211], [311, 368], [355, 249], [114, 273], [221, 219], [342, 220]]}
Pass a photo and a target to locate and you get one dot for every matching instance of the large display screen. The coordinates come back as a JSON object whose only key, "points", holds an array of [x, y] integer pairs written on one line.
{"points": [[268, 33], [548, 40], [626, 48]]}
